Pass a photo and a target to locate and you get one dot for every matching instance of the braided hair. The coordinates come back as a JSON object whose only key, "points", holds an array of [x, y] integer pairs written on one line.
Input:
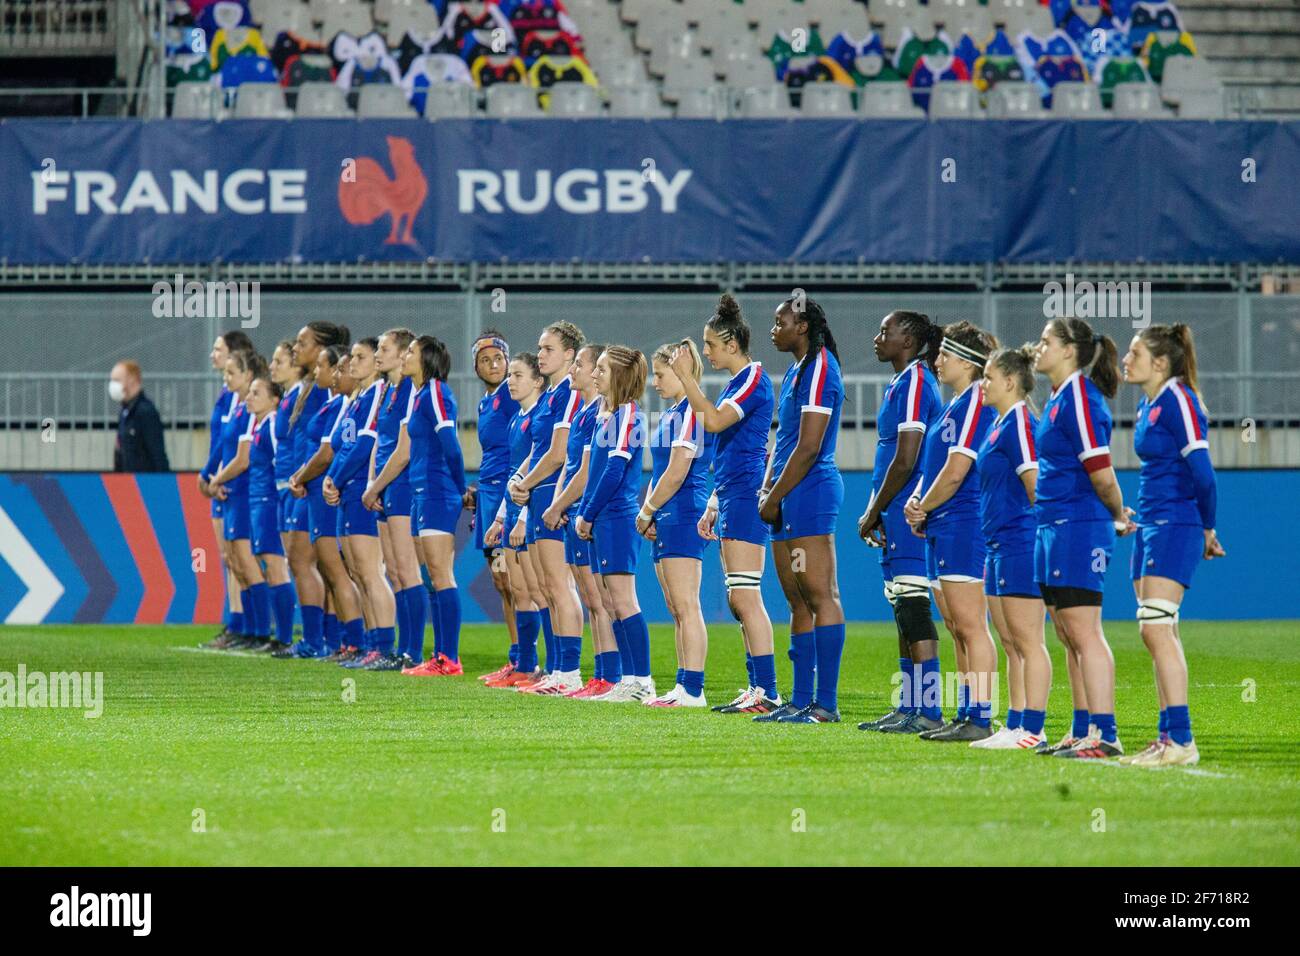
{"points": [[1096, 355], [819, 332], [727, 323], [927, 335]]}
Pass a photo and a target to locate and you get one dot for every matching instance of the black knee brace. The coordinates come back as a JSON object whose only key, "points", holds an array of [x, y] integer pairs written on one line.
{"points": [[914, 621]]}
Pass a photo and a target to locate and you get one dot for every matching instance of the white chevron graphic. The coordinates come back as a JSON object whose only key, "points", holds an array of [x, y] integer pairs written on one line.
{"points": [[43, 588]]}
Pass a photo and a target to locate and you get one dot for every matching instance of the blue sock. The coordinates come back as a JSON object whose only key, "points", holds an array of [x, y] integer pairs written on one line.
{"points": [[598, 667], [1034, 720], [1105, 724], [963, 701], [829, 642], [1180, 725], [612, 668], [680, 672], [331, 633], [638, 639], [570, 653], [1163, 726], [435, 619], [513, 655], [765, 675], [283, 599], [236, 625], [449, 617], [248, 617], [261, 595], [312, 626], [980, 713], [1080, 726], [907, 700], [527, 625], [1015, 718], [371, 639], [693, 681], [625, 667], [354, 632], [227, 614], [931, 689], [385, 638], [552, 648], [415, 608], [803, 653], [749, 669], [403, 617]]}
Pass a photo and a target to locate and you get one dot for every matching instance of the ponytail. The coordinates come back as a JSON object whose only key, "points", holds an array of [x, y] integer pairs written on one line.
{"points": [[1096, 355], [728, 324], [1018, 365], [819, 331], [1174, 342], [927, 335]]}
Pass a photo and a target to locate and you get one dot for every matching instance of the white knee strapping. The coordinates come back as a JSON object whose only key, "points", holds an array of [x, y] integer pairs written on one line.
{"points": [[743, 580], [1156, 611], [911, 586], [889, 593]]}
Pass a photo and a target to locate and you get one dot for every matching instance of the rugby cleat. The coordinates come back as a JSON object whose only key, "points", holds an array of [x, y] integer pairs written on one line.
{"points": [[913, 723], [591, 690], [220, 642], [928, 734], [761, 703], [1065, 743], [343, 654], [629, 690], [678, 697], [745, 692], [1004, 739], [501, 671], [427, 668], [1029, 741], [449, 668], [966, 731], [889, 718], [362, 660], [388, 662], [305, 652], [513, 679], [665, 700], [814, 713], [557, 684], [286, 651], [1092, 747], [772, 716], [1174, 755], [1145, 755]]}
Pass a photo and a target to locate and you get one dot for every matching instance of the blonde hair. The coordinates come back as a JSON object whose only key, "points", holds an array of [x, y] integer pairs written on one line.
{"points": [[664, 356], [627, 374]]}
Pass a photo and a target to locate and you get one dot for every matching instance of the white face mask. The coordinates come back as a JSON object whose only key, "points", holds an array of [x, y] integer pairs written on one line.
{"points": [[115, 390]]}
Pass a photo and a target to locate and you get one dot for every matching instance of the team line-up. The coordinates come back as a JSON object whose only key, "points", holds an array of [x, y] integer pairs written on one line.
{"points": [[337, 479]]}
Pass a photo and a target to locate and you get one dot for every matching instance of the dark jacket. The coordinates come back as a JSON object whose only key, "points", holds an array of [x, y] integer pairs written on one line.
{"points": [[140, 437]]}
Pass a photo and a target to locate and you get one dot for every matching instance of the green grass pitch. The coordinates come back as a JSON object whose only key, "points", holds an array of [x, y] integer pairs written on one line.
{"points": [[280, 769]]}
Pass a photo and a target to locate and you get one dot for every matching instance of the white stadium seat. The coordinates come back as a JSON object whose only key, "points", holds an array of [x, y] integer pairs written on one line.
{"points": [[196, 101], [450, 101], [575, 100], [321, 100], [1015, 99], [637, 102], [261, 101], [512, 101], [1138, 101], [706, 103], [826, 99], [950, 99], [888, 101], [770, 100], [383, 101], [1073, 100]]}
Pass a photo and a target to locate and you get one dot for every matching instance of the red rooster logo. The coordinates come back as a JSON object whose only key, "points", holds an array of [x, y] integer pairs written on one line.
{"points": [[372, 194]]}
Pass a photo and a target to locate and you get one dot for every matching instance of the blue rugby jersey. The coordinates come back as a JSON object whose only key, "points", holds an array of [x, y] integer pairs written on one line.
{"points": [[238, 428], [910, 403], [350, 469], [520, 438], [286, 460], [556, 409], [740, 454], [1073, 440], [495, 409], [394, 411], [434, 473], [1176, 484], [216, 421], [1006, 516], [584, 426], [614, 475], [819, 390], [959, 430], [320, 428], [679, 428], [304, 446], [263, 462]]}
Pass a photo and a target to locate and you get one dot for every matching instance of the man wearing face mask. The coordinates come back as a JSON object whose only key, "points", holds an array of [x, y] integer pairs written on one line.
{"points": [[139, 427]]}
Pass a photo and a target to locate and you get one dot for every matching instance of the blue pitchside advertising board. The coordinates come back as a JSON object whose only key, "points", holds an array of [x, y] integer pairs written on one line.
{"points": [[108, 191]]}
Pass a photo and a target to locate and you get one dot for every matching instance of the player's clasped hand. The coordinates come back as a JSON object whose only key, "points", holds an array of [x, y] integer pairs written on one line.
{"points": [[583, 527], [554, 519], [517, 534], [870, 529], [769, 509], [705, 526], [916, 516], [1213, 549], [330, 493], [370, 499], [492, 536]]}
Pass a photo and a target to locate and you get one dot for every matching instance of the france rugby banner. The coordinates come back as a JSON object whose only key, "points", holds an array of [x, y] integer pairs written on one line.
{"points": [[118, 192]]}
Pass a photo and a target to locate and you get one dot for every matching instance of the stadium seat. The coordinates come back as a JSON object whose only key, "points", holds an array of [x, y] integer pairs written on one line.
{"points": [[690, 73], [708, 103], [512, 101], [1015, 99], [891, 16], [574, 100], [633, 10], [951, 99], [750, 73], [320, 9], [771, 100], [957, 20], [714, 21], [637, 102], [321, 100], [421, 20], [351, 18], [833, 17], [196, 101], [1202, 105], [450, 101], [656, 32], [1073, 100], [826, 99], [775, 16], [888, 101], [674, 49], [1138, 101], [261, 101], [622, 72], [385, 10], [1190, 84], [735, 49], [383, 101]]}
